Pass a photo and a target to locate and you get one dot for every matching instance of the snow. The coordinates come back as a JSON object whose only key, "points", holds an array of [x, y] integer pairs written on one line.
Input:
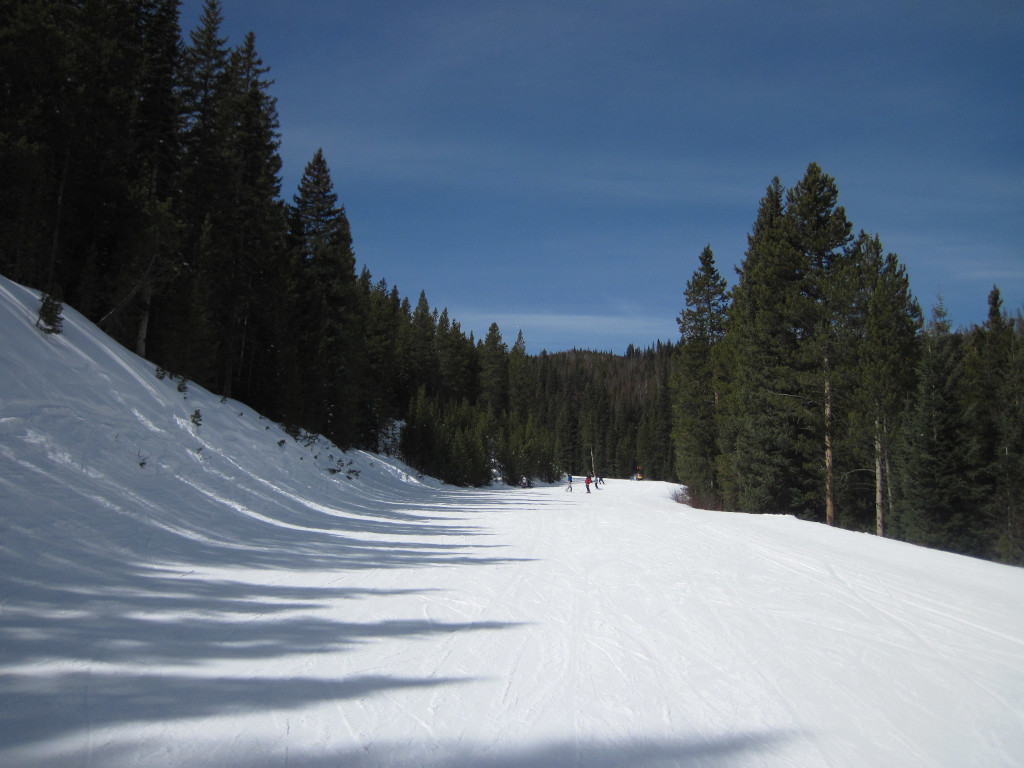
{"points": [[174, 594]]}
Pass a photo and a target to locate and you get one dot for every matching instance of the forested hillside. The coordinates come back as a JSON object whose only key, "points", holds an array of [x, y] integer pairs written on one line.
{"points": [[811, 388], [141, 184]]}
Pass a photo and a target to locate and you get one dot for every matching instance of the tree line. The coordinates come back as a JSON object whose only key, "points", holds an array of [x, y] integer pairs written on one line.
{"points": [[815, 388], [142, 185]]}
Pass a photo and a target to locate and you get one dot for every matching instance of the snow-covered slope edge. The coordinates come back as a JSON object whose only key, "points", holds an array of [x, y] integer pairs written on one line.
{"points": [[94, 440]]}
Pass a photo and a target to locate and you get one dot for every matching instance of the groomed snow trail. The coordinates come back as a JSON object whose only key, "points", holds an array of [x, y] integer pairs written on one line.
{"points": [[210, 595]]}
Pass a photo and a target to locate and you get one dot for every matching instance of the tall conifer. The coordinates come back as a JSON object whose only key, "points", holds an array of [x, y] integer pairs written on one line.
{"points": [[196, 329], [701, 327], [761, 410], [820, 232], [885, 360], [493, 371], [935, 506], [256, 224], [327, 290], [995, 393]]}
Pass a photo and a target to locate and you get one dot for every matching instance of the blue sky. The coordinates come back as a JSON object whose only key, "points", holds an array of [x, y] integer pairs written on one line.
{"points": [[557, 167]]}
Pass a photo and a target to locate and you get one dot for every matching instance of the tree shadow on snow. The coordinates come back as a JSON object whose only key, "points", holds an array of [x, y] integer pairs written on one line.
{"points": [[713, 752], [38, 708], [84, 584]]}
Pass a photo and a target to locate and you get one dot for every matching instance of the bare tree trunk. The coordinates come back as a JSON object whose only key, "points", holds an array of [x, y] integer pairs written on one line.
{"points": [[57, 219], [830, 491], [888, 479], [879, 503], [143, 330], [229, 365], [49, 318]]}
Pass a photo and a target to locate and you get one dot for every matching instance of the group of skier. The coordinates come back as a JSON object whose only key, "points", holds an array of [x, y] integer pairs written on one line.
{"points": [[594, 480]]}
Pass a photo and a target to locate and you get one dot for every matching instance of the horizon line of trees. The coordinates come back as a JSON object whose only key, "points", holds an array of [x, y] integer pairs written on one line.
{"points": [[142, 185]]}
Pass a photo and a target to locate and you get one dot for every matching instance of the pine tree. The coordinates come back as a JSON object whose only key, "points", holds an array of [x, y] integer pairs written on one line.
{"points": [[149, 261], [383, 324], [567, 437], [50, 319], [419, 347], [101, 207], [935, 505], [493, 353], [37, 76], [1007, 506], [885, 361], [654, 434], [820, 232], [326, 287], [702, 327], [994, 414], [455, 358], [520, 385], [256, 225], [196, 316], [417, 436], [232, 242], [760, 418]]}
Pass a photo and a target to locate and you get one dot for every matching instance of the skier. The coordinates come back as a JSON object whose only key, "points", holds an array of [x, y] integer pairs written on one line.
{"points": [[568, 488], [588, 483]]}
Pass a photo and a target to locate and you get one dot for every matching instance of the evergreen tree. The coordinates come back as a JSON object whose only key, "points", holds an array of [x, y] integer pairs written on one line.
{"points": [[37, 78], [520, 386], [150, 258], [456, 361], [100, 206], [50, 319], [820, 232], [701, 326], [232, 241], [493, 353], [1007, 506], [886, 360], [417, 442], [195, 321], [994, 415], [383, 323], [782, 358], [654, 434], [567, 438], [331, 336], [761, 412], [935, 505], [255, 241], [420, 349]]}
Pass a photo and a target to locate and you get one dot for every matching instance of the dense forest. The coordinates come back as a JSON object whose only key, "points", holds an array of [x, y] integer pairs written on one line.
{"points": [[142, 185]]}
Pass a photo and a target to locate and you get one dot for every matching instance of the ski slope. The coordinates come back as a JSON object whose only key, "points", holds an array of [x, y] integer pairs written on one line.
{"points": [[216, 594]]}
